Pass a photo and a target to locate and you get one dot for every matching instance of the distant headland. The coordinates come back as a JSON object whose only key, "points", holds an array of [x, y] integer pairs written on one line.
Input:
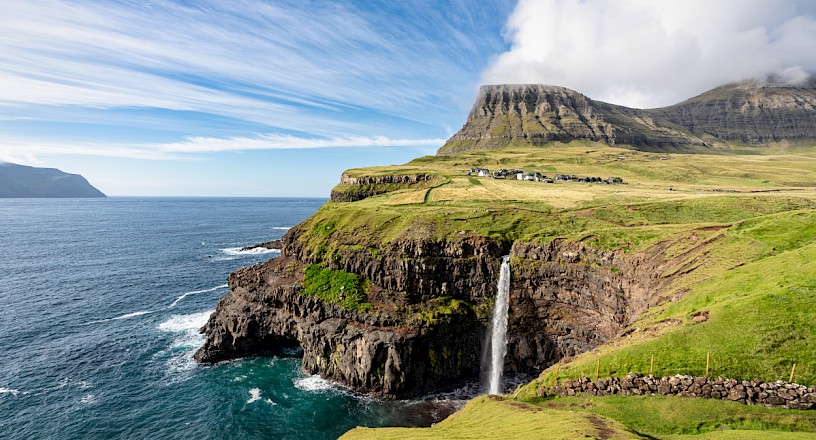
{"points": [[19, 181]]}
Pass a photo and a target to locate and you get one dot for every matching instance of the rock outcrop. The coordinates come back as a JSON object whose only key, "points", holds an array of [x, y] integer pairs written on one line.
{"points": [[352, 189], [753, 112], [379, 353], [273, 245], [430, 303]]}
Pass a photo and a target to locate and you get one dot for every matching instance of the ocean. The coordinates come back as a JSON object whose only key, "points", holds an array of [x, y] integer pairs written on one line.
{"points": [[100, 305]]}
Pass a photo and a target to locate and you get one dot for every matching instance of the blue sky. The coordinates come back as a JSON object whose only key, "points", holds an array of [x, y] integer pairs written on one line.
{"points": [[277, 98], [238, 97]]}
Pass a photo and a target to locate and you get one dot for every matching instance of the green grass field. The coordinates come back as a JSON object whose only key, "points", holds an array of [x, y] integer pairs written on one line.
{"points": [[613, 417], [745, 220]]}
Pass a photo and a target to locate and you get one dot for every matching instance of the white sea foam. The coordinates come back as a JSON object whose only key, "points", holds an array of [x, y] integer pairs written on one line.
{"points": [[313, 383], [254, 395], [87, 399], [282, 228], [195, 292], [237, 251], [125, 316], [179, 355], [186, 323], [269, 401], [4, 390], [131, 315]]}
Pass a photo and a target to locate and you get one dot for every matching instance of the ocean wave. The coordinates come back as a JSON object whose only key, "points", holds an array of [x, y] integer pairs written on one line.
{"points": [[178, 357], [13, 392], [195, 292], [313, 383], [254, 395], [237, 251], [117, 318], [282, 228], [88, 399], [185, 323]]}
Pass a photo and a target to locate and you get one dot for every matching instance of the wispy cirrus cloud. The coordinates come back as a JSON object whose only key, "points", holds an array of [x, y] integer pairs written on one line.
{"points": [[26, 151], [313, 67]]}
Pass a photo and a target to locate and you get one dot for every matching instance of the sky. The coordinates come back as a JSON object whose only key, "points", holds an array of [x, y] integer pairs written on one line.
{"points": [[277, 98]]}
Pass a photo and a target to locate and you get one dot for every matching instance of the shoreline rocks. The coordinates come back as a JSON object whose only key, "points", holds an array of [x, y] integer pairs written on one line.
{"points": [[272, 245]]}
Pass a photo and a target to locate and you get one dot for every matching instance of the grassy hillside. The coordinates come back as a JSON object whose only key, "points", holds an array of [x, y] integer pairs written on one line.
{"points": [[491, 417], [611, 417], [741, 228]]}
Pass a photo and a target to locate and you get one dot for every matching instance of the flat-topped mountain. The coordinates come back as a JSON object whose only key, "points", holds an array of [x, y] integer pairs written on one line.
{"points": [[754, 112], [24, 181]]}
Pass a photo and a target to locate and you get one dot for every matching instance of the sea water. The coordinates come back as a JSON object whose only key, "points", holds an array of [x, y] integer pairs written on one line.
{"points": [[101, 301]]}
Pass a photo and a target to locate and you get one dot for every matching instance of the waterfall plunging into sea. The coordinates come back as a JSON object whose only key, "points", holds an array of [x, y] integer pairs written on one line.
{"points": [[498, 330]]}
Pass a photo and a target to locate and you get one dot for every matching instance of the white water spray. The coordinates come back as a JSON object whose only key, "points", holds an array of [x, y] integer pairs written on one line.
{"points": [[498, 330]]}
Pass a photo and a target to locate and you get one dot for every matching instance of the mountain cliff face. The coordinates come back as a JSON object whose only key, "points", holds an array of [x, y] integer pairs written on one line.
{"points": [[391, 295], [748, 112], [24, 181], [430, 308]]}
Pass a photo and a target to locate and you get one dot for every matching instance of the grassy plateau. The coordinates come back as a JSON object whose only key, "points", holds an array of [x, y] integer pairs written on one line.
{"points": [[746, 217]]}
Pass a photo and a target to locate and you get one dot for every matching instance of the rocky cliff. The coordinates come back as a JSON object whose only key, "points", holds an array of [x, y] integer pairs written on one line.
{"points": [[429, 306], [748, 112], [351, 189]]}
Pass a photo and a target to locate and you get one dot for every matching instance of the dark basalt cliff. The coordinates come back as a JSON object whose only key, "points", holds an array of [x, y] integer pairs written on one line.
{"points": [[566, 298], [352, 189], [24, 181], [748, 112], [406, 313]]}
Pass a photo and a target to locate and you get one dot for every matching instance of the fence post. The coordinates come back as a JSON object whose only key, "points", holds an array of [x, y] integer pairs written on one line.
{"points": [[792, 371], [598, 369], [708, 361]]}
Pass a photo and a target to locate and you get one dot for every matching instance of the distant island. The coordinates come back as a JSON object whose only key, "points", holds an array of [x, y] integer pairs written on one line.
{"points": [[18, 181]]}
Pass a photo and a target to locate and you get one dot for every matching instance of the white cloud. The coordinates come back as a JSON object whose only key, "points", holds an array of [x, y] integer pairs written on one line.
{"points": [[646, 53], [28, 151], [289, 64], [287, 142]]}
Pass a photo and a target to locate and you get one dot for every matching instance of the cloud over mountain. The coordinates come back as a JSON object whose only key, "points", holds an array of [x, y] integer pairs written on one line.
{"points": [[645, 53]]}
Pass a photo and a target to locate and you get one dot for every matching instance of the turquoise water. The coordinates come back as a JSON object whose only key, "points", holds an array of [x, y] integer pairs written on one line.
{"points": [[101, 305]]}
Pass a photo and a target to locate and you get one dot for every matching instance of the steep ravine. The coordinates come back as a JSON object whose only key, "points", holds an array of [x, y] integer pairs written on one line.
{"points": [[566, 298]]}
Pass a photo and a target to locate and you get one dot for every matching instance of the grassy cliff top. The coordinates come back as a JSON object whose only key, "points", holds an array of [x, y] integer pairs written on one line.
{"points": [[755, 285], [660, 192]]}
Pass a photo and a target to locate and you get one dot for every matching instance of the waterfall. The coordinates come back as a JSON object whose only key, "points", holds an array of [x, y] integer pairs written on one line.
{"points": [[498, 330]]}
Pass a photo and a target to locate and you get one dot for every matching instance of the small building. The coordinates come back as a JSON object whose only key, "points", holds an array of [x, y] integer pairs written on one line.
{"points": [[614, 180], [481, 172]]}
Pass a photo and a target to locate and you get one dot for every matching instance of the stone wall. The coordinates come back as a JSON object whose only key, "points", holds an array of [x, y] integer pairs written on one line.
{"points": [[754, 392]]}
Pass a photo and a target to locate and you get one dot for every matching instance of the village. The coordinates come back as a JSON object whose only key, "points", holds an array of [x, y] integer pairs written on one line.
{"points": [[517, 174]]}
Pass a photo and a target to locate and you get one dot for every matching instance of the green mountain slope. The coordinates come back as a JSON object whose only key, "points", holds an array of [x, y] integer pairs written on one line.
{"points": [[751, 112], [739, 231]]}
